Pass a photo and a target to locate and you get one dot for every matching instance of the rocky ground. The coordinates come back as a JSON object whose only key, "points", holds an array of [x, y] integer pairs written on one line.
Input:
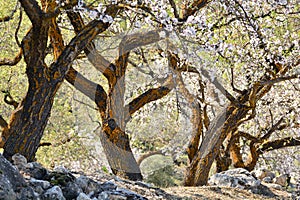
{"points": [[31, 181]]}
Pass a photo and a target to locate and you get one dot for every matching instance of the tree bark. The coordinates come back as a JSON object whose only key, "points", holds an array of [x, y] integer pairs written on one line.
{"points": [[197, 172], [29, 120]]}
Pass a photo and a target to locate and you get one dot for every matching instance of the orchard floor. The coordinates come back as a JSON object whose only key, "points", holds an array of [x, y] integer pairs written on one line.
{"points": [[222, 193], [193, 193]]}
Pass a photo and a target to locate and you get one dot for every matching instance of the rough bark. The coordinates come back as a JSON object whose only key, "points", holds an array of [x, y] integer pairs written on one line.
{"points": [[4, 131], [197, 172], [29, 120], [117, 149], [113, 137]]}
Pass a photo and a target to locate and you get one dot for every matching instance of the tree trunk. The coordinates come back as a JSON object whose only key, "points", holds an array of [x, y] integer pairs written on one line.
{"points": [[29, 121], [198, 171], [117, 149], [224, 123]]}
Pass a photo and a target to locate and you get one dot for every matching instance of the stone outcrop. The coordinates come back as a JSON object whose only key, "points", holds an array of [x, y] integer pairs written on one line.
{"points": [[30, 181], [242, 179]]}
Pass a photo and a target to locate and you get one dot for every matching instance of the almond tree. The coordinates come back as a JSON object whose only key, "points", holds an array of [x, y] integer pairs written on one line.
{"points": [[206, 40], [23, 136]]}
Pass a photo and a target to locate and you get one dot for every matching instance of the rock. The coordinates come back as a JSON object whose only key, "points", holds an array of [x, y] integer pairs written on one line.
{"points": [[59, 178], [281, 180], [83, 196], [242, 179], [36, 170], [109, 195], [108, 185], [61, 169], [262, 173], [71, 191], [239, 178], [6, 189], [267, 180], [54, 193], [275, 186], [11, 173], [19, 161], [87, 185], [28, 194], [129, 194], [43, 184]]}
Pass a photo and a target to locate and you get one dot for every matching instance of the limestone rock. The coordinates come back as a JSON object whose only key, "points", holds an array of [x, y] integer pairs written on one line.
{"points": [[242, 179], [6, 189], [54, 193], [267, 180], [71, 190], [19, 161], [262, 173], [28, 193], [239, 178], [83, 196], [281, 180], [11, 173]]}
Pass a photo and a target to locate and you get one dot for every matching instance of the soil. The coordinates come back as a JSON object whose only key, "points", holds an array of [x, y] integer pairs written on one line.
{"points": [[195, 193]]}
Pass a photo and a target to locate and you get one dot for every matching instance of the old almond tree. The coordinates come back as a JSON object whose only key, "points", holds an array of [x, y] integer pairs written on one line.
{"points": [[232, 65]]}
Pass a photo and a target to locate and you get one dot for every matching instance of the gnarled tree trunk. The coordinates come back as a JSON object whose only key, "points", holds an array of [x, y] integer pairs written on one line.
{"points": [[29, 120]]}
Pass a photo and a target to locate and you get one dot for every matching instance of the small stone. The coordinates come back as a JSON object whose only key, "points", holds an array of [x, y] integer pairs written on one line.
{"points": [[267, 179], [54, 193], [61, 169], [71, 190], [129, 194], [239, 178], [28, 194], [39, 189], [83, 196], [262, 173], [36, 170], [88, 185], [108, 185], [275, 186], [82, 182], [20, 161], [281, 180], [44, 184]]}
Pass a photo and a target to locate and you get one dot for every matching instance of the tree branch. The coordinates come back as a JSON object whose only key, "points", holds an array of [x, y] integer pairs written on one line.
{"points": [[175, 11], [246, 135], [279, 79], [149, 96], [218, 85], [12, 62], [136, 40], [33, 11], [193, 8], [3, 123], [278, 144], [79, 43], [92, 90], [232, 83], [10, 100], [273, 129], [98, 61]]}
